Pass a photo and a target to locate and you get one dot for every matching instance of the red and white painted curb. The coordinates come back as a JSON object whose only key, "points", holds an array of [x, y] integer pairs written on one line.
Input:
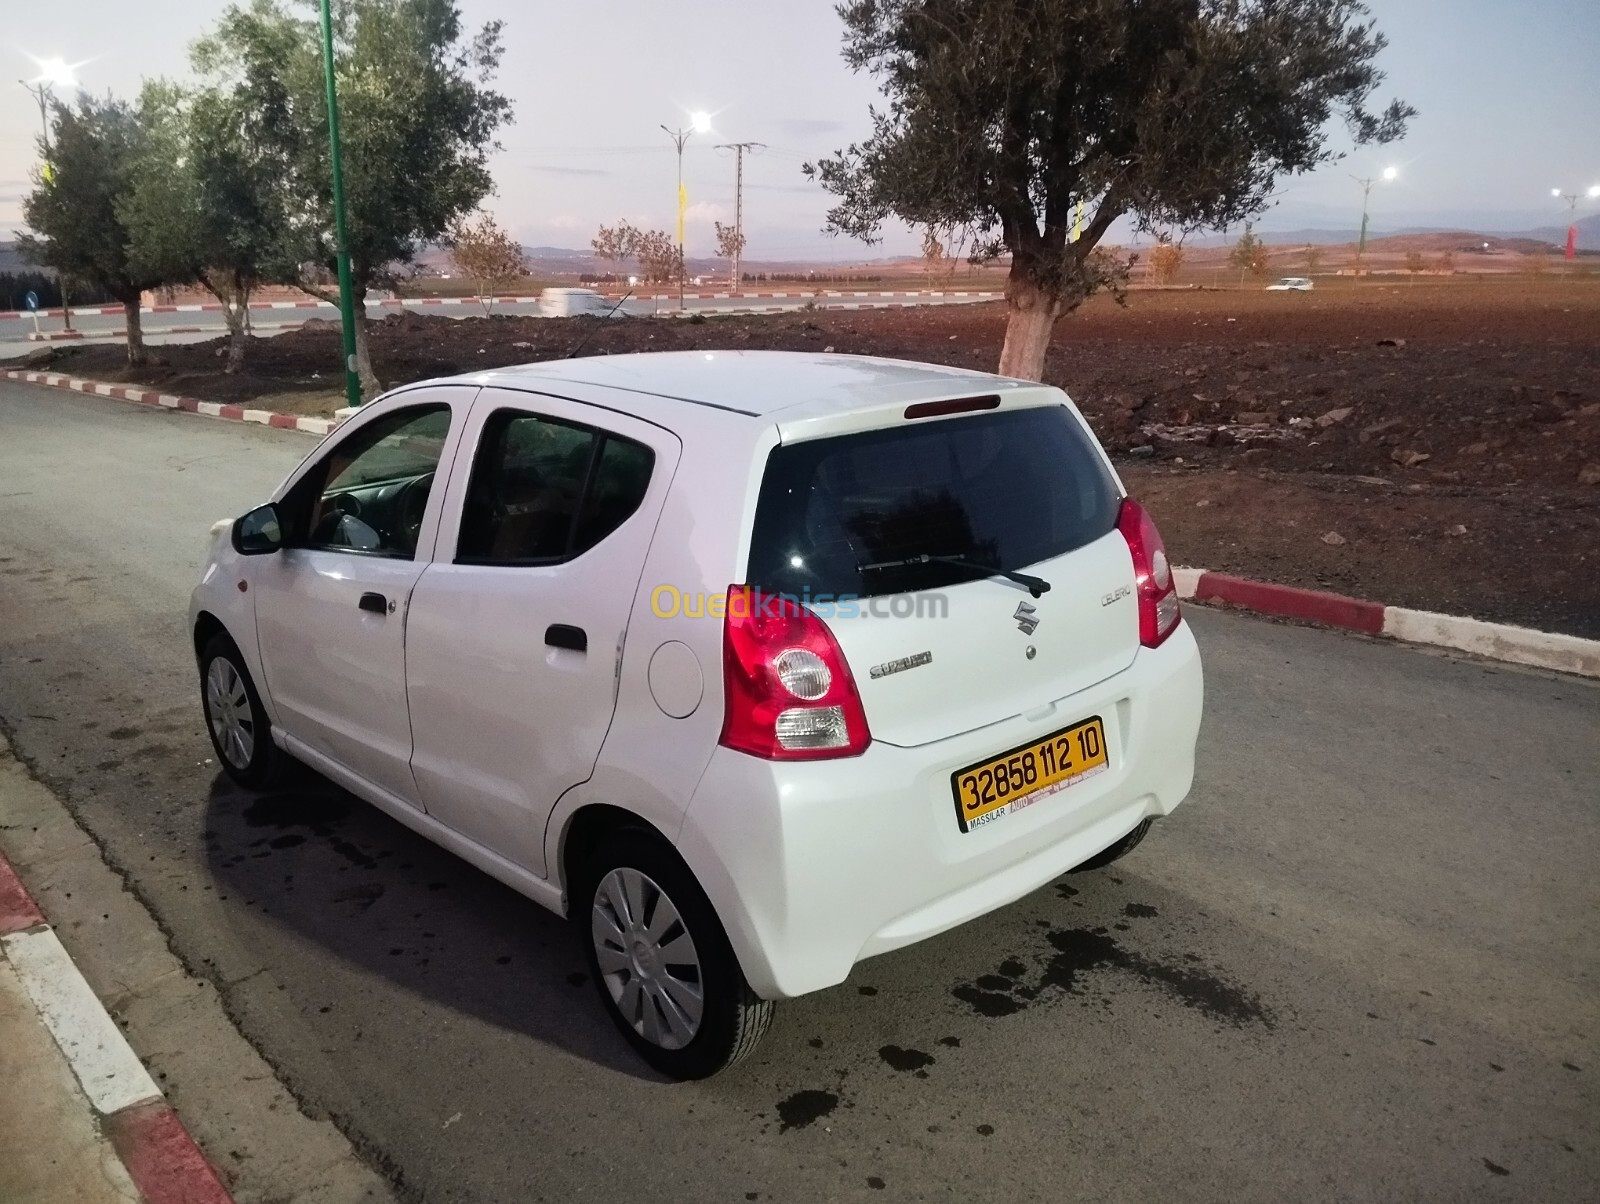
{"points": [[1494, 641], [161, 1158], [52, 336], [209, 307], [168, 401]]}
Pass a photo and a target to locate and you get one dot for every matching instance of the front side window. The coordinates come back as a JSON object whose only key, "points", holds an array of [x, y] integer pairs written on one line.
{"points": [[369, 494], [544, 490]]}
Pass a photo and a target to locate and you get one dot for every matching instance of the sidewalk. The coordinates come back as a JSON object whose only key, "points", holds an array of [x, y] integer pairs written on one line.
{"points": [[55, 1149], [81, 1120]]}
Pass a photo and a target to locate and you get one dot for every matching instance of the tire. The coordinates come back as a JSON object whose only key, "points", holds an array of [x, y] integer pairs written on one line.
{"points": [[618, 893], [238, 725], [1116, 851]]}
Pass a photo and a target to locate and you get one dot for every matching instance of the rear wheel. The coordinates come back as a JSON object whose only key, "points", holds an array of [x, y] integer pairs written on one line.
{"points": [[661, 961], [238, 724], [1116, 851]]}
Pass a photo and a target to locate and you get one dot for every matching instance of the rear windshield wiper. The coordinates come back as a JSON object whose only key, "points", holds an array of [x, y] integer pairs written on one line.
{"points": [[1035, 585]]}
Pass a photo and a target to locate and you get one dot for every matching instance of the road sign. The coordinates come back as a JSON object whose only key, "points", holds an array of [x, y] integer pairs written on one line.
{"points": [[31, 301]]}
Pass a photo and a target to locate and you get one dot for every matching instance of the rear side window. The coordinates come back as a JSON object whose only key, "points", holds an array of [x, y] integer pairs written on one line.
{"points": [[1005, 490], [543, 490]]}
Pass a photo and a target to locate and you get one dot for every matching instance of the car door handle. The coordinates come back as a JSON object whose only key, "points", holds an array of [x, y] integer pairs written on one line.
{"points": [[376, 603], [564, 635]]}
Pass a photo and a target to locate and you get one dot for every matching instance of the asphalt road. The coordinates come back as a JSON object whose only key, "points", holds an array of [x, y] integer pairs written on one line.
{"points": [[158, 327], [1360, 963]]}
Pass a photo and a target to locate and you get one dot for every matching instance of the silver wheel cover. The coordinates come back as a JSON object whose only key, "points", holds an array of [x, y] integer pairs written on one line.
{"points": [[228, 711], [647, 958]]}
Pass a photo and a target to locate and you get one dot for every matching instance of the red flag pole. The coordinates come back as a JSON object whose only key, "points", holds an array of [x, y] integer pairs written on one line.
{"points": [[1572, 242]]}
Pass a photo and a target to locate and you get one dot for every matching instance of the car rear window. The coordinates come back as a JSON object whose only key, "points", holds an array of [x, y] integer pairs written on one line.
{"points": [[1005, 490]]}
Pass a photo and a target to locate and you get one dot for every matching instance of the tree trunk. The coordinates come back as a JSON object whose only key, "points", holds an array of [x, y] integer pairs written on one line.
{"points": [[1031, 319], [131, 317], [235, 314], [371, 386]]}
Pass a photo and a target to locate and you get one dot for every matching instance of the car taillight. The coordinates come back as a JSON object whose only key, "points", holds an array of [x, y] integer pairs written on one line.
{"points": [[1152, 575], [787, 692]]}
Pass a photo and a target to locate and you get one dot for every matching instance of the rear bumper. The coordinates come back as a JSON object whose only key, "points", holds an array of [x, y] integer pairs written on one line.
{"points": [[814, 866]]}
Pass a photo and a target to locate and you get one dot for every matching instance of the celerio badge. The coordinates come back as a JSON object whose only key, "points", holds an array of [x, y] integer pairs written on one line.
{"points": [[1027, 617]]}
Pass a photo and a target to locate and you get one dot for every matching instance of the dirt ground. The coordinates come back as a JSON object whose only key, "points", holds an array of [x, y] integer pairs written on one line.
{"points": [[1433, 444]]}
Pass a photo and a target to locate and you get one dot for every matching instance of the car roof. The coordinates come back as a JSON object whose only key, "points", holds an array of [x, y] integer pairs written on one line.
{"points": [[786, 385]]}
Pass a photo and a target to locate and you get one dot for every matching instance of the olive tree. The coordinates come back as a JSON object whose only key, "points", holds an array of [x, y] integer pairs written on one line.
{"points": [[74, 214], [418, 119], [1005, 115], [207, 202]]}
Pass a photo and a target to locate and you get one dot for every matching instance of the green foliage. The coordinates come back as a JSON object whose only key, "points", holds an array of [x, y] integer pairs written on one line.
{"points": [[75, 213], [417, 119], [1004, 115], [1250, 254], [208, 200], [730, 241]]}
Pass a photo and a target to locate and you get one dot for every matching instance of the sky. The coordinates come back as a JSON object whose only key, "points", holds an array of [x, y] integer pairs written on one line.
{"points": [[1508, 98]]}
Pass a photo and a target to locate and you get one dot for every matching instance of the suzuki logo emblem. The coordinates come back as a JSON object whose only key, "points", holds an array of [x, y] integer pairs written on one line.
{"points": [[1026, 617]]}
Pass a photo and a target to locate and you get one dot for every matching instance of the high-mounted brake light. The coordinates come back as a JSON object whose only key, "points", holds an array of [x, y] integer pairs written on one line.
{"points": [[954, 405], [787, 692], [1154, 587]]}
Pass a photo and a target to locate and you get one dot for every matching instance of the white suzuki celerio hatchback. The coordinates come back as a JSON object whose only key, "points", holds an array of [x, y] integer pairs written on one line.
{"points": [[754, 664]]}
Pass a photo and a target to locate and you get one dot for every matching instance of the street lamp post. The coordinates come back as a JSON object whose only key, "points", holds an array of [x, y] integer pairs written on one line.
{"points": [[347, 310], [42, 89], [699, 123], [1389, 173]]}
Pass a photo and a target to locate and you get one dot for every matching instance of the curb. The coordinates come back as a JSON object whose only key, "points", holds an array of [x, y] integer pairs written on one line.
{"points": [[405, 302], [1495, 641], [54, 336], [157, 1151], [167, 401]]}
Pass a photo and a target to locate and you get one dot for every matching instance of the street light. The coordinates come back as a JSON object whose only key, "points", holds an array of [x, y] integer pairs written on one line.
{"points": [[53, 72], [1389, 173], [699, 123]]}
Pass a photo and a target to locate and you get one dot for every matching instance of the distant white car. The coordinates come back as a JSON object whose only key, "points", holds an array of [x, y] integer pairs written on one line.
{"points": [[574, 303], [1291, 284], [950, 667]]}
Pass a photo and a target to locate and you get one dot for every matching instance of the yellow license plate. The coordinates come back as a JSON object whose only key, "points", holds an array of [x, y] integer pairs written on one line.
{"points": [[991, 789]]}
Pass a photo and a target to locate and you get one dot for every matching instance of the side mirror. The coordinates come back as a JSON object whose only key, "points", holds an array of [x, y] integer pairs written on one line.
{"points": [[258, 532]]}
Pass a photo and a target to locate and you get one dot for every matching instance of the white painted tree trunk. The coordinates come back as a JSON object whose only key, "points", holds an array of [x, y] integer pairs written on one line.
{"points": [[371, 386], [1028, 329]]}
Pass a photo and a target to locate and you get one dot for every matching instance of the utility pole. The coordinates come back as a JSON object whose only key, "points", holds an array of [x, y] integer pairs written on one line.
{"points": [[1389, 173], [347, 309], [738, 149]]}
